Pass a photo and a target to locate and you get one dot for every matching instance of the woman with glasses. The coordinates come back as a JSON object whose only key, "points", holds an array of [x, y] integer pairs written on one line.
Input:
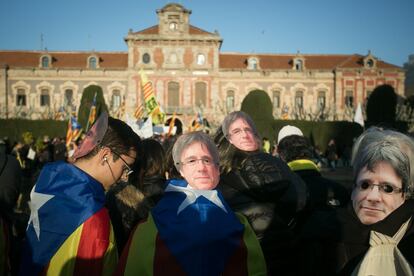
{"points": [[375, 234], [261, 187]]}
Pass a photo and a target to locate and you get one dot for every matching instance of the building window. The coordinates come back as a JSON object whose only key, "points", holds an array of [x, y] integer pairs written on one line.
{"points": [[173, 94], [21, 97], [349, 98], [200, 94], [252, 64], [173, 26], [201, 59], [146, 58], [93, 63], [67, 101], [230, 100], [116, 100], [44, 97], [276, 99], [299, 99], [298, 64], [45, 62], [321, 100]]}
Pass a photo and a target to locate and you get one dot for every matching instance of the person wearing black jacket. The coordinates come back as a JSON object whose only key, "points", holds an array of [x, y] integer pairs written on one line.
{"points": [[374, 234], [261, 187], [324, 194]]}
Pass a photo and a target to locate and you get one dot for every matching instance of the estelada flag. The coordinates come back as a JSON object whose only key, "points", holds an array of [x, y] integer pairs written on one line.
{"points": [[151, 104], [92, 112], [69, 230], [74, 130], [192, 232]]}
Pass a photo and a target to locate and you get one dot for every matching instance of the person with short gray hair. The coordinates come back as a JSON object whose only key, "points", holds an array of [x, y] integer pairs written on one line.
{"points": [[188, 139], [374, 235]]}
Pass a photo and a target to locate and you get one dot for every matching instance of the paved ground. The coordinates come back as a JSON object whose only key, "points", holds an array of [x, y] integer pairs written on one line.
{"points": [[342, 175]]}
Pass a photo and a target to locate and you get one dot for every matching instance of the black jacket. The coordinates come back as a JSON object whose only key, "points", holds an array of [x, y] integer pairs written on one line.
{"points": [[334, 242], [10, 181], [263, 188]]}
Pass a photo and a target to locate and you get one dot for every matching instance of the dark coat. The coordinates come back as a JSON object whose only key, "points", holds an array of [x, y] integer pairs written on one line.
{"points": [[128, 205], [263, 188], [334, 242], [10, 181], [324, 194]]}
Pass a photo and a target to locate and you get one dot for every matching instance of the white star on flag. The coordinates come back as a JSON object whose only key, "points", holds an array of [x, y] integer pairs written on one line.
{"points": [[193, 194], [37, 201]]}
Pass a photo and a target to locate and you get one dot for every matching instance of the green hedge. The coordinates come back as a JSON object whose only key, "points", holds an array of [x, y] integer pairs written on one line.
{"points": [[13, 128], [321, 132]]}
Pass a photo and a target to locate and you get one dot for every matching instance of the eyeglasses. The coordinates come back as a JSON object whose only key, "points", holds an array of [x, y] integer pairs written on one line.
{"points": [[385, 188], [127, 170], [239, 131], [193, 161]]}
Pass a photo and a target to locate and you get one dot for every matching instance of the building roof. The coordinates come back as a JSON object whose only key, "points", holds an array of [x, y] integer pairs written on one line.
{"points": [[285, 61], [67, 60], [238, 61], [154, 30]]}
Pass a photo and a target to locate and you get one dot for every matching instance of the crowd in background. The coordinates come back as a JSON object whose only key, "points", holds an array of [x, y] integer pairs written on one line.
{"points": [[304, 223]]}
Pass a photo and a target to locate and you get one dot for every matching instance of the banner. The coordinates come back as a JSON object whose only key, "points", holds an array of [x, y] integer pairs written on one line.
{"points": [[151, 104]]}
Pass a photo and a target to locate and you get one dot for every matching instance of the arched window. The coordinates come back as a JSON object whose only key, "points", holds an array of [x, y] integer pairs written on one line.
{"points": [[67, 101], [21, 97], [298, 64], [321, 101], [45, 62], [173, 94], [252, 64], [201, 59], [146, 58], [230, 100], [276, 99], [299, 99], [200, 94], [116, 99], [44, 97], [93, 63]]}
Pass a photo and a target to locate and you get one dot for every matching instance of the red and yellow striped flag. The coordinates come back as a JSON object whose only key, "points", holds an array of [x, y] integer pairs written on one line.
{"points": [[171, 126], [152, 106], [139, 112]]}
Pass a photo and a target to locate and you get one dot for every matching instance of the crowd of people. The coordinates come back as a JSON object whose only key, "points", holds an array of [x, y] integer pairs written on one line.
{"points": [[199, 204]]}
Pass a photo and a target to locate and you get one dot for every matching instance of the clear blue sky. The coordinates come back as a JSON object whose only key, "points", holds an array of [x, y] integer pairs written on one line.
{"points": [[386, 27]]}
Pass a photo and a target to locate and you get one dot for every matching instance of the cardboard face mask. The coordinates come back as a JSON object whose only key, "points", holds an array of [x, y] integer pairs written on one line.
{"points": [[93, 137]]}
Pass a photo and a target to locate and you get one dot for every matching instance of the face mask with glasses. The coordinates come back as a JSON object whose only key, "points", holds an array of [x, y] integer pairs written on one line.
{"points": [[384, 188], [193, 161]]}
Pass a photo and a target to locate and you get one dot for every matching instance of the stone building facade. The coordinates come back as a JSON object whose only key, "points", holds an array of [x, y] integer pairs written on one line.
{"points": [[190, 74]]}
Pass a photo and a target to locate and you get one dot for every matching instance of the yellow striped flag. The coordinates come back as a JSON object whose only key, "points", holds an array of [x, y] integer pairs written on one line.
{"points": [[171, 126], [152, 106], [139, 112]]}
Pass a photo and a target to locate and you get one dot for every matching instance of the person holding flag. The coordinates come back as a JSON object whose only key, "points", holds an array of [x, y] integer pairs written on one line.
{"points": [[69, 230], [151, 104], [192, 231]]}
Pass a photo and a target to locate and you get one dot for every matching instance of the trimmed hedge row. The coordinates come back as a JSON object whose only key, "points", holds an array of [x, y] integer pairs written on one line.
{"points": [[14, 128], [318, 132]]}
